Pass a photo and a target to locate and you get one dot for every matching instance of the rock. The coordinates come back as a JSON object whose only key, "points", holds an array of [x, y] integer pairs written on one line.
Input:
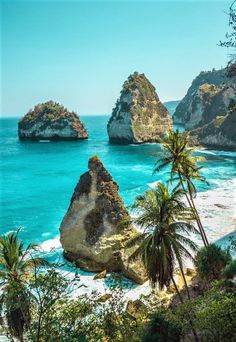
{"points": [[51, 121], [218, 134], [91, 232], [190, 272], [184, 109], [210, 101], [139, 116], [100, 275], [104, 298], [135, 308]]}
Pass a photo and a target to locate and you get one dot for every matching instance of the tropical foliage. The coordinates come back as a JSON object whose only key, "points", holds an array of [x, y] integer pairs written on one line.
{"points": [[16, 263], [210, 262], [183, 167]]}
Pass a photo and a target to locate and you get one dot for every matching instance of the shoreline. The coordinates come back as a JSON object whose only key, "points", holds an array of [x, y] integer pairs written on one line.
{"points": [[214, 206]]}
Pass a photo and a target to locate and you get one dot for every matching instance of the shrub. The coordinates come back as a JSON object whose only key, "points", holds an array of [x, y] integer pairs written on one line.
{"points": [[162, 330], [213, 315], [210, 261], [230, 270]]}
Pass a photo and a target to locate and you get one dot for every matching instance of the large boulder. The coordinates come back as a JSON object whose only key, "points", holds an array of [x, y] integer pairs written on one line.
{"points": [[185, 108], [51, 121], [93, 233], [138, 116]]}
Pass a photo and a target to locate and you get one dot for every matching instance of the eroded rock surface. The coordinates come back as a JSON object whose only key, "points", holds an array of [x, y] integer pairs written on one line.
{"points": [[91, 232], [138, 116], [185, 108], [51, 121], [220, 133]]}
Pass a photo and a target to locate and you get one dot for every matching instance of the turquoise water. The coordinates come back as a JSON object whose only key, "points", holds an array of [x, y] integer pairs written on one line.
{"points": [[38, 179]]}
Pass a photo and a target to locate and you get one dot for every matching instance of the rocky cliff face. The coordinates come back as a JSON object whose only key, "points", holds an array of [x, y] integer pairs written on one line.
{"points": [[51, 121], [210, 101], [139, 116], [219, 133], [91, 232], [185, 108]]}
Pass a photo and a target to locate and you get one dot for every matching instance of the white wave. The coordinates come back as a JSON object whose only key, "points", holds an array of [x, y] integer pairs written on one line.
{"points": [[205, 152], [217, 208], [50, 245], [44, 141], [154, 184]]}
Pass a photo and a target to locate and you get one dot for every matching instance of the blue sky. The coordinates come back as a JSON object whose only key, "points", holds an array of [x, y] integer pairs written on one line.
{"points": [[80, 53]]}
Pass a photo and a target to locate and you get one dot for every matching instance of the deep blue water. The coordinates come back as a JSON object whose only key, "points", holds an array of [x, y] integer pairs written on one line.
{"points": [[38, 179]]}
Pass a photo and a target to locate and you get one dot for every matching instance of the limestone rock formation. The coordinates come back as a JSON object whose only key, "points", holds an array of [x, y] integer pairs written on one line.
{"points": [[139, 116], [219, 133], [184, 109], [92, 233], [210, 101], [51, 121]]}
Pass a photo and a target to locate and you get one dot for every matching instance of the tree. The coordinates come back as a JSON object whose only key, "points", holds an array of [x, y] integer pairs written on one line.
{"points": [[178, 154], [55, 315], [210, 262], [16, 263], [231, 37], [163, 244]]}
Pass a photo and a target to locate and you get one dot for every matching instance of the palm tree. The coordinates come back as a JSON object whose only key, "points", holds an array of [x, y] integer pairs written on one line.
{"points": [[16, 265], [183, 164], [165, 240]]}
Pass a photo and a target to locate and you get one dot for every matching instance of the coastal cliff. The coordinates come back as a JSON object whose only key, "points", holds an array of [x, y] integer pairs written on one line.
{"points": [[219, 133], [139, 116], [185, 108], [210, 101], [91, 233], [51, 121]]}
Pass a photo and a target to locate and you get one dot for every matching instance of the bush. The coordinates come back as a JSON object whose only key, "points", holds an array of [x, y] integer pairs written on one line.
{"points": [[230, 270], [210, 261], [213, 315], [162, 330]]}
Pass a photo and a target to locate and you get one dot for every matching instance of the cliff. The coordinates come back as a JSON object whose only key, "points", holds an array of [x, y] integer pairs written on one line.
{"points": [[210, 101], [138, 116], [184, 109], [92, 233], [51, 121], [219, 133]]}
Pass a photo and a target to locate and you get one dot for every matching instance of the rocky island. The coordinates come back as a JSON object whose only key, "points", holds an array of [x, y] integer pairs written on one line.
{"points": [[138, 116], [92, 232], [51, 121]]}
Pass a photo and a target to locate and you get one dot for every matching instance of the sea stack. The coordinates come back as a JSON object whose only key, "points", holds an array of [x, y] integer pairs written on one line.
{"points": [[138, 116], [51, 121], [93, 233]]}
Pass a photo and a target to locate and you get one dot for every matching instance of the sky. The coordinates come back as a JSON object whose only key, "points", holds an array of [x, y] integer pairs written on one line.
{"points": [[79, 53]]}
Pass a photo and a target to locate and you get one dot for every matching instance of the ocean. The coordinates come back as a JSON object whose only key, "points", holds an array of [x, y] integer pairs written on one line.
{"points": [[38, 179]]}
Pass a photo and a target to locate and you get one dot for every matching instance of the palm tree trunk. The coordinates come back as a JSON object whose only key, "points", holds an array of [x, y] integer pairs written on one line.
{"points": [[201, 231], [181, 300], [196, 213], [184, 279], [176, 289]]}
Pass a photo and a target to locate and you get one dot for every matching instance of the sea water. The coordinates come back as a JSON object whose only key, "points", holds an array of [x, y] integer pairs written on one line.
{"points": [[38, 179]]}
